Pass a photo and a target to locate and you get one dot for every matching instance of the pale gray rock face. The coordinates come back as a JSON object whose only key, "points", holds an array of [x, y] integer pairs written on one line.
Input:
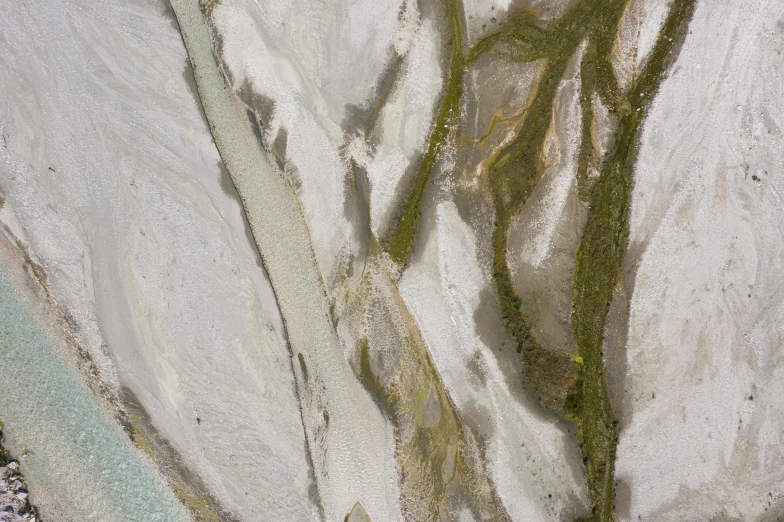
{"points": [[351, 443], [703, 392], [109, 167]]}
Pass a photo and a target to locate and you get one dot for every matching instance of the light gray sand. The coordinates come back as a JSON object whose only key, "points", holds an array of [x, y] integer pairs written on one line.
{"points": [[351, 443], [705, 368]]}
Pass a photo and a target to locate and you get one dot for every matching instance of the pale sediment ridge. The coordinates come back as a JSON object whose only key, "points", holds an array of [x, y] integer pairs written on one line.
{"points": [[350, 442], [702, 437]]}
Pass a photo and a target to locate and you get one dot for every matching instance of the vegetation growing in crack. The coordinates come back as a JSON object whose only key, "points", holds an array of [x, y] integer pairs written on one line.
{"points": [[440, 471], [516, 173]]}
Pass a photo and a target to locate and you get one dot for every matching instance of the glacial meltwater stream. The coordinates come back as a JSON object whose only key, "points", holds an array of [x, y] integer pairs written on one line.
{"points": [[77, 456]]}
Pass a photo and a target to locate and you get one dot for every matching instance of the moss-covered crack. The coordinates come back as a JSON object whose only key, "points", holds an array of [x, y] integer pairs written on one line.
{"points": [[599, 264]]}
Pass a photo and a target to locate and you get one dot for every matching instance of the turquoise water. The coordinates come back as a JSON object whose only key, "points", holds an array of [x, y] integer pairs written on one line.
{"points": [[77, 455]]}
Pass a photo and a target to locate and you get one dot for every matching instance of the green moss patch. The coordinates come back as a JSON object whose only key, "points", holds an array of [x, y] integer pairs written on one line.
{"points": [[599, 264]]}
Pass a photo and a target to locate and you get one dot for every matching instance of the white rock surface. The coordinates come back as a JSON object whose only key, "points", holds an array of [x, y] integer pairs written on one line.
{"points": [[142, 245], [637, 33], [705, 332], [603, 127], [351, 443], [484, 16], [542, 215]]}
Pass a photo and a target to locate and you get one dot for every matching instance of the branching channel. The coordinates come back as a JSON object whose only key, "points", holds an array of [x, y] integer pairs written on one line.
{"points": [[565, 384]]}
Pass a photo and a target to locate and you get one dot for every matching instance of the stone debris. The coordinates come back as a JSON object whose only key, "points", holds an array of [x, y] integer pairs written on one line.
{"points": [[14, 500]]}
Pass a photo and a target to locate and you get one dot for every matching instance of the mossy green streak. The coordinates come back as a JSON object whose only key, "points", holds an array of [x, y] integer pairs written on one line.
{"points": [[571, 384], [599, 263], [399, 243]]}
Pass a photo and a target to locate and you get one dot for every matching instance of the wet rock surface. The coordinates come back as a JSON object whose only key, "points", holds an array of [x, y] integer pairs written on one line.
{"points": [[14, 499]]}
